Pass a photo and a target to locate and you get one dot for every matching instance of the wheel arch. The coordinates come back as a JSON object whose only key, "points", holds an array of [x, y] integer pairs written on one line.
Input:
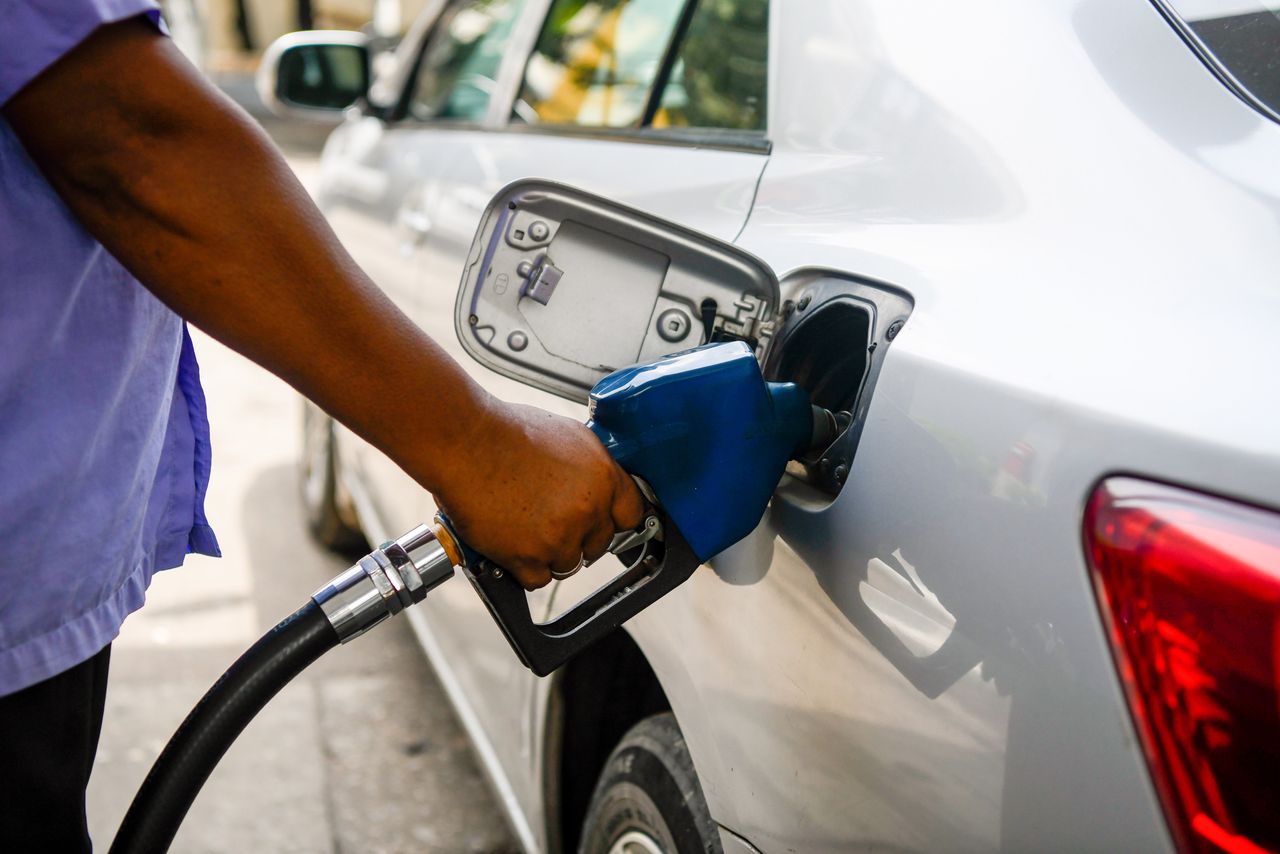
{"points": [[593, 701]]}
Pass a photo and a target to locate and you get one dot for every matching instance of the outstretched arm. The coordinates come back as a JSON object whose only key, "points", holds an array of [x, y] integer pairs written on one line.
{"points": [[189, 194]]}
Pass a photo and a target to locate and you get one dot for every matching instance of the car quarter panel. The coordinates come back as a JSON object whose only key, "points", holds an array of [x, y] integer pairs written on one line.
{"points": [[1086, 220]]}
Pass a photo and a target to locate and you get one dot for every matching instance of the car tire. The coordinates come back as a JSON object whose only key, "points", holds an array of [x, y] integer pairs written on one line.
{"points": [[648, 799], [318, 479]]}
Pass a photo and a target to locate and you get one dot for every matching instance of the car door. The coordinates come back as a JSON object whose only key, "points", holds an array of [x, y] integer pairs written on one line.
{"points": [[598, 89], [587, 112]]}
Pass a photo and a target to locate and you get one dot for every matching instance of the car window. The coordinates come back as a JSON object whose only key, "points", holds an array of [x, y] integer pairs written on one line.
{"points": [[459, 64], [595, 62], [719, 76], [1242, 38]]}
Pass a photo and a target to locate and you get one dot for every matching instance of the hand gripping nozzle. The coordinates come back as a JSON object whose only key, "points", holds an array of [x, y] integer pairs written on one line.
{"points": [[708, 469]]}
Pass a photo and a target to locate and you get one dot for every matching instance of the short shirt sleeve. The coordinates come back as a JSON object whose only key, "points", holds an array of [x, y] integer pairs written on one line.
{"points": [[37, 33]]}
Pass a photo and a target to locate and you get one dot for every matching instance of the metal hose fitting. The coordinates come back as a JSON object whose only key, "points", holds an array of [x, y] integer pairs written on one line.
{"points": [[384, 582]]}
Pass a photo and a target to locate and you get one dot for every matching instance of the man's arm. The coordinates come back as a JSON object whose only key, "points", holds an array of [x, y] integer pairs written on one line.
{"points": [[189, 194]]}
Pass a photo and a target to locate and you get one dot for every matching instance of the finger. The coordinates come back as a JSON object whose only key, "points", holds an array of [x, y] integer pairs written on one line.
{"points": [[597, 541], [628, 504], [566, 563], [532, 577]]}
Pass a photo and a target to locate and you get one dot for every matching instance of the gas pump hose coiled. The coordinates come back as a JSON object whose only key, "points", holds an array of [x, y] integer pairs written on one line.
{"points": [[381, 584]]}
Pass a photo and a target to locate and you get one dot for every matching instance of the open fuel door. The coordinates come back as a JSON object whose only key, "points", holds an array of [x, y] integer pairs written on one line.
{"points": [[562, 287]]}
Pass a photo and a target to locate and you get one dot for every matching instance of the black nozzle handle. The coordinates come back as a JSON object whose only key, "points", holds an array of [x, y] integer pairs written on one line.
{"points": [[543, 647]]}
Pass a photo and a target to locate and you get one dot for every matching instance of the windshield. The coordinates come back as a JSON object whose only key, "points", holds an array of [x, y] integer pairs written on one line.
{"points": [[1241, 38]]}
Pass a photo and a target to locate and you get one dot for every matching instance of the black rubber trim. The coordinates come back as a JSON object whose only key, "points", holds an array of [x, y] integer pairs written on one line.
{"points": [[663, 77], [692, 138], [216, 721]]}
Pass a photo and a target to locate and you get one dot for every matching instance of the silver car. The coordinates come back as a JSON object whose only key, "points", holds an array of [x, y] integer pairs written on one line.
{"points": [[1030, 599]]}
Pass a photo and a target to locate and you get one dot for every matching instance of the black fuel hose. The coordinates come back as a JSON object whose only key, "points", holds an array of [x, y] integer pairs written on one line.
{"points": [[394, 576], [216, 721]]}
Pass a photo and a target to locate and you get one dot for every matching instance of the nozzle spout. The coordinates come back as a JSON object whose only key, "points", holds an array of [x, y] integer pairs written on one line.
{"points": [[827, 427]]}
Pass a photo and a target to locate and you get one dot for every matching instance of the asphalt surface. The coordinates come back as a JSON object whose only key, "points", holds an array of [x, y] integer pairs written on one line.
{"points": [[362, 753]]}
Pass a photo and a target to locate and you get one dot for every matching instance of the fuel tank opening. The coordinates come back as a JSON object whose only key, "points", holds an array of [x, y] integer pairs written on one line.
{"points": [[831, 342], [827, 354]]}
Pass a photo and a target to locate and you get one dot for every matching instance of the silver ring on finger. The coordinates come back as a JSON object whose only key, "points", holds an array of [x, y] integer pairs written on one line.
{"points": [[560, 576]]}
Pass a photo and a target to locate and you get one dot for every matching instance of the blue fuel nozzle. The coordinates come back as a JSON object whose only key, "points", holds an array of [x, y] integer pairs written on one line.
{"points": [[708, 435]]}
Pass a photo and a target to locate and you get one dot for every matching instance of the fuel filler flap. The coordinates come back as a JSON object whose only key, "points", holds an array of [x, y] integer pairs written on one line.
{"points": [[562, 287]]}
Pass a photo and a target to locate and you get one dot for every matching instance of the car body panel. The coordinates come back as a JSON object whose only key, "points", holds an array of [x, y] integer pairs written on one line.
{"points": [[1086, 220], [1064, 299]]}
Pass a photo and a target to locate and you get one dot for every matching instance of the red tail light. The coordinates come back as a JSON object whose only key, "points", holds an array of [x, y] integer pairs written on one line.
{"points": [[1191, 588]]}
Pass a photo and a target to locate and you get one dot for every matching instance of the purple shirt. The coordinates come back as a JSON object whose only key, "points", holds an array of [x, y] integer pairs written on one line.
{"points": [[104, 444]]}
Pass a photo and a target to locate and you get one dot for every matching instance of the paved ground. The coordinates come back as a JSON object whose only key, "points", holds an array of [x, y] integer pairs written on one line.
{"points": [[361, 753]]}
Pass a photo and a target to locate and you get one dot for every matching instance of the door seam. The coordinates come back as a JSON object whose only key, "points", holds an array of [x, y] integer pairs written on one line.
{"points": [[755, 191]]}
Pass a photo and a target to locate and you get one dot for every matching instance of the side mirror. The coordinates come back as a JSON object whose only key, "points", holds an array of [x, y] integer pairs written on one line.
{"points": [[314, 74], [562, 287]]}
